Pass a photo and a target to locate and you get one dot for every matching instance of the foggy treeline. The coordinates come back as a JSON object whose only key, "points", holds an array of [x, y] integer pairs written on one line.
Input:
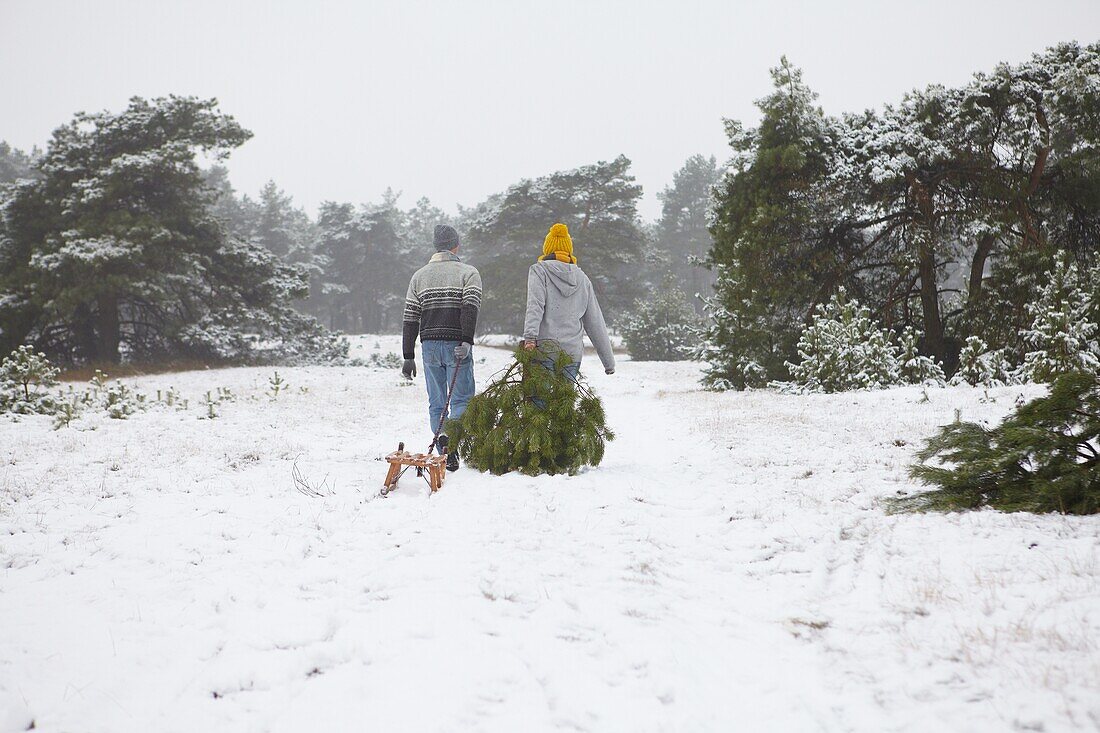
{"points": [[360, 255]]}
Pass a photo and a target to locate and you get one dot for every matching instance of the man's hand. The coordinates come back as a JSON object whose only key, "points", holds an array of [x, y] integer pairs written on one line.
{"points": [[462, 351], [609, 371], [530, 344], [408, 369]]}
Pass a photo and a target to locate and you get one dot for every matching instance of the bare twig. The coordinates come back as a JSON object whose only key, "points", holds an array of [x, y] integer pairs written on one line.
{"points": [[304, 487]]}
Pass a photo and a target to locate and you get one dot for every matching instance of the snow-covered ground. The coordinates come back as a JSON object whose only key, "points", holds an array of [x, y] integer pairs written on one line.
{"points": [[728, 567]]}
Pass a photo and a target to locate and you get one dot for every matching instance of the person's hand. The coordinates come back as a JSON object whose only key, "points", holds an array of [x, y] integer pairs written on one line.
{"points": [[609, 371], [462, 351], [529, 344], [408, 369]]}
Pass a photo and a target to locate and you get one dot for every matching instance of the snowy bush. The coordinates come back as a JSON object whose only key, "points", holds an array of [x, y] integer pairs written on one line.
{"points": [[663, 327], [170, 398], [210, 404], [844, 349], [1062, 338], [1063, 335], [748, 374], [978, 366], [26, 383], [27, 380], [914, 367], [67, 410], [390, 360], [254, 336], [117, 400]]}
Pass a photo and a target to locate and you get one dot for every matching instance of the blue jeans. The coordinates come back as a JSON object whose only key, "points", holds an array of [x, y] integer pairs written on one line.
{"points": [[570, 370], [439, 367]]}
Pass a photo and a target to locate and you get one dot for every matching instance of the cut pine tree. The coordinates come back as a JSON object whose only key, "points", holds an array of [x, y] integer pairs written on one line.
{"points": [[532, 419]]}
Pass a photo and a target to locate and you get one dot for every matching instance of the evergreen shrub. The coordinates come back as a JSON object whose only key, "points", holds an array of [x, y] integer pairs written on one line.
{"points": [[662, 327], [1045, 457]]}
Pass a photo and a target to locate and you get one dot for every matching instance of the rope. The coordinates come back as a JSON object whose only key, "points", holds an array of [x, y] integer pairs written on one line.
{"points": [[446, 408]]}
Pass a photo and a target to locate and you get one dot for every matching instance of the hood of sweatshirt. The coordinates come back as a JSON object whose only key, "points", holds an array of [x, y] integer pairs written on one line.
{"points": [[564, 276]]}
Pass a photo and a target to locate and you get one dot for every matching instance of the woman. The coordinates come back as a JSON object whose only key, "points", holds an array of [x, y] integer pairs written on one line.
{"points": [[561, 304]]}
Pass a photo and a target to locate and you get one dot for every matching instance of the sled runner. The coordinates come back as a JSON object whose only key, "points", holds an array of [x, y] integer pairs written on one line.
{"points": [[435, 465]]}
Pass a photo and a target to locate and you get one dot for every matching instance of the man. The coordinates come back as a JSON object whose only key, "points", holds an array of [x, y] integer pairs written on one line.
{"points": [[441, 306], [561, 305]]}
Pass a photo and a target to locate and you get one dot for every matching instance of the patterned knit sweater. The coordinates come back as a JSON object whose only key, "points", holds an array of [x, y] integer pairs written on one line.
{"points": [[442, 303]]}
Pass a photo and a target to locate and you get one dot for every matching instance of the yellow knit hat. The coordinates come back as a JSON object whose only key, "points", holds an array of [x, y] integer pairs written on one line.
{"points": [[558, 245]]}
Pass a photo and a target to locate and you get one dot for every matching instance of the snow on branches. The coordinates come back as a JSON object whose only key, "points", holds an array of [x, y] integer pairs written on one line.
{"points": [[845, 349]]}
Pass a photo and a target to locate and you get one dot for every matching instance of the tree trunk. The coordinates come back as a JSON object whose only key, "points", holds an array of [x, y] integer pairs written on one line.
{"points": [[930, 303], [924, 196], [14, 334], [84, 333], [1032, 235], [107, 329], [339, 317], [977, 270]]}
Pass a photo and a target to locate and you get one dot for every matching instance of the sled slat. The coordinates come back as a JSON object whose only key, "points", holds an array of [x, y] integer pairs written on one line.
{"points": [[436, 467]]}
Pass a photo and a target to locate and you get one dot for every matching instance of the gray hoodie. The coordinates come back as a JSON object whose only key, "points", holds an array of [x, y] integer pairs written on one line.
{"points": [[560, 302]]}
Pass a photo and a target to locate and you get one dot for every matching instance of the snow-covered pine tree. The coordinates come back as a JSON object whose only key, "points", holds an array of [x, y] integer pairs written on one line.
{"points": [[361, 278], [15, 164], [738, 341], [661, 327], [1062, 337], [978, 366], [874, 200], [844, 349], [238, 215], [770, 217], [914, 367], [416, 227], [116, 250], [281, 227], [27, 383], [533, 420]]}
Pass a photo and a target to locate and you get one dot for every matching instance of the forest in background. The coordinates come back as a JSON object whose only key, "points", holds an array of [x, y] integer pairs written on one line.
{"points": [[944, 215], [72, 284], [360, 256]]}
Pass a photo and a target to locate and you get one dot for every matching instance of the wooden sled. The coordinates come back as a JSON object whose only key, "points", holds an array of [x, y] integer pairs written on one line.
{"points": [[433, 468], [435, 465]]}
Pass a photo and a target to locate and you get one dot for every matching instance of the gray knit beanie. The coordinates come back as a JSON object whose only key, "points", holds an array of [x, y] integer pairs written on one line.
{"points": [[445, 238]]}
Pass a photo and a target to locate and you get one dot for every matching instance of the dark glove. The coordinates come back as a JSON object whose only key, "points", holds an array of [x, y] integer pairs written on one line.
{"points": [[609, 371], [408, 370], [462, 351]]}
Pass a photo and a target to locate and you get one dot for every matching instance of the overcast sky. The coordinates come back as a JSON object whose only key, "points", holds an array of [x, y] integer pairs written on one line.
{"points": [[457, 100]]}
